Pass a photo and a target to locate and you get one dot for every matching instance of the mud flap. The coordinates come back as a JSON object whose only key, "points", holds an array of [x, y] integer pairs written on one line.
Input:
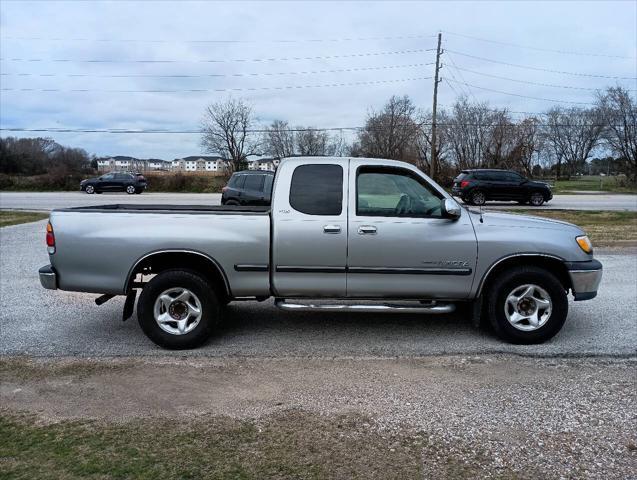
{"points": [[129, 304]]}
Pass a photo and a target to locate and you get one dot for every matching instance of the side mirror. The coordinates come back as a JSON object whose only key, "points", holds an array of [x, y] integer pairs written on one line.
{"points": [[450, 209], [101, 178]]}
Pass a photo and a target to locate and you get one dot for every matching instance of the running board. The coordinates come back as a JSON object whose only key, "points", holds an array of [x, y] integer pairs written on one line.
{"points": [[431, 307]]}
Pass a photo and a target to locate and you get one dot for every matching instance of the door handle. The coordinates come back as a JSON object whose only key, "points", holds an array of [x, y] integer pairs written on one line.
{"points": [[331, 229], [367, 230]]}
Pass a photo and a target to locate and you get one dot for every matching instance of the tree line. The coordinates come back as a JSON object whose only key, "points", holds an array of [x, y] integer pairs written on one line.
{"points": [[470, 135]]}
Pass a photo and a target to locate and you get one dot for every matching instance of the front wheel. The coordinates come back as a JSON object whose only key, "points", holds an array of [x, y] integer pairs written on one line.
{"points": [[90, 189], [130, 189], [527, 305], [178, 309]]}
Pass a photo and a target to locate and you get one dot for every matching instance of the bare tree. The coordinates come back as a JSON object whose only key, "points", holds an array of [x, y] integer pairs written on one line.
{"points": [[469, 133], [573, 133], [313, 142], [391, 133], [619, 111], [225, 130], [279, 141]]}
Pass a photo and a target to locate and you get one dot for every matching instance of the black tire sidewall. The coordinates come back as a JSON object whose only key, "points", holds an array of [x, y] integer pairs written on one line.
{"points": [[172, 279], [513, 278], [536, 204]]}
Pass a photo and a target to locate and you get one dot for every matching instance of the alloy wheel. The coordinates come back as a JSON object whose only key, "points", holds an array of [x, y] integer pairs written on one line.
{"points": [[177, 311], [528, 307]]}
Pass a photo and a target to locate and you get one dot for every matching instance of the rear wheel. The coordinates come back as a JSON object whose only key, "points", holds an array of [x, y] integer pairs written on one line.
{"points": [[537, 199], [478, 197], [90, 189], [527, 305], [178, 309], [130, 189]]}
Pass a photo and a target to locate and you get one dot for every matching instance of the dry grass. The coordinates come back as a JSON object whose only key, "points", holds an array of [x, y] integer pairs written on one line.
{"points": [[10, 217]]}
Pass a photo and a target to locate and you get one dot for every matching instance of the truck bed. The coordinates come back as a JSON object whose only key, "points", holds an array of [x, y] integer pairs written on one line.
{"points": [[97, 247]]}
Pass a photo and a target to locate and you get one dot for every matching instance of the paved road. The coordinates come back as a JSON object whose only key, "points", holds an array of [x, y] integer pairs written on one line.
{"points": [[35, 321], [50, 200]]}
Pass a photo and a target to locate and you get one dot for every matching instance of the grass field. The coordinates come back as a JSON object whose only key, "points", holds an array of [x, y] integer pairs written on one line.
{"points": [[605, 228], [291, 444], [594, 184], [14, 218]]}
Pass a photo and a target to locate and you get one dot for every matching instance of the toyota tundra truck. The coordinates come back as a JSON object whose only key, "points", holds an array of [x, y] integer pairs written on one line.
{"points": [[340, 235]]}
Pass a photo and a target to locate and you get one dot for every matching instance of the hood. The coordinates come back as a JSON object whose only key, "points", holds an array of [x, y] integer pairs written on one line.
{"points": [[503, 220]]}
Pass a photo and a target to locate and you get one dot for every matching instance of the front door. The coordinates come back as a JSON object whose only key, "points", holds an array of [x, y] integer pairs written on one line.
{"points": [[309, 237], [399, 244]]}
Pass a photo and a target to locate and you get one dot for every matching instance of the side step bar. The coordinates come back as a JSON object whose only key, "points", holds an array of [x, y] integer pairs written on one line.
{"points": [[431, 307]]}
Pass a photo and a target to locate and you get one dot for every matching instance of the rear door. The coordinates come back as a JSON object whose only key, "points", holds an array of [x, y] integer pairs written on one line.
{"points": [[107, 182], [309, 233], [399, 244], [253, 190]]}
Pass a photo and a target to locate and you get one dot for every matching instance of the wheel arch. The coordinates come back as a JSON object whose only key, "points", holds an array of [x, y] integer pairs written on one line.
{"points": [[161, 260], [551, 263]]}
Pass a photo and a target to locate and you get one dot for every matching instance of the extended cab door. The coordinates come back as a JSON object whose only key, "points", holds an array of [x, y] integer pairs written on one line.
{"points": [[309, 231], [399, 244]]}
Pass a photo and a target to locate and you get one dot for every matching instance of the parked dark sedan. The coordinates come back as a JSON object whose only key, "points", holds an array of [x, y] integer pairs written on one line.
{"points": [[115, 182], [478, 186], [248, 187]]}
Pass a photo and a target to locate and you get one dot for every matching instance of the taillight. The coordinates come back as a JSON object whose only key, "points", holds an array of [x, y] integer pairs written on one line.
{"points": [[50, 238], [464, 183]]}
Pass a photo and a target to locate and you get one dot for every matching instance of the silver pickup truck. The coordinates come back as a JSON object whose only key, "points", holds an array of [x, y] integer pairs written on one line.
{"points": [[359, 234]]}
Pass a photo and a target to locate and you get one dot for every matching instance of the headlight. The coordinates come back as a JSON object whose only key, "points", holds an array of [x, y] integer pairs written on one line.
{"points": [[584, 243]]}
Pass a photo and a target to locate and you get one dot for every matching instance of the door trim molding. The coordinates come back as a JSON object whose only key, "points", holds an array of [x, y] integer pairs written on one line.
{"points": [[374, 270]]}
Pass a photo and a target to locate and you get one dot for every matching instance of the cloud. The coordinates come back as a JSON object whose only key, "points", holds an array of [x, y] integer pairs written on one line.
{"points": [[267, 43]]}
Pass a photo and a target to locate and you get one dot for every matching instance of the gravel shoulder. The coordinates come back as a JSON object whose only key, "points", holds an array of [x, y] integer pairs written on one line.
{"points": [[495, 416]]}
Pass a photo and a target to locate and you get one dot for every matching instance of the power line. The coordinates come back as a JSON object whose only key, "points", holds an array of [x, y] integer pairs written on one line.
{"points": [[564, 52], [461, 77], [276, 59], [526, 81], [526, 96], [216, 75], [206, 41], [577, 74], [258, 130], [203, 90]]}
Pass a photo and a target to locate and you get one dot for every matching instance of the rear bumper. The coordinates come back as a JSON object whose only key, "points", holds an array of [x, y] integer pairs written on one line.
{"points": [[585, 278], [48, 277]]}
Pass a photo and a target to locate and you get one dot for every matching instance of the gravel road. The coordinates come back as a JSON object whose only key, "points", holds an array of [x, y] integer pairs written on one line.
{"points": [[39, 322], [50, 200]]}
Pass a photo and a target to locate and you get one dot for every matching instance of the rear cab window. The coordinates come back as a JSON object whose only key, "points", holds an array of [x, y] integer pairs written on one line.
{"points": [[317, 189]]}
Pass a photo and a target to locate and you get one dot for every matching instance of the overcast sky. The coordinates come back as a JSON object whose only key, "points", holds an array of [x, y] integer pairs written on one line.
{"points": [[252, 49]]}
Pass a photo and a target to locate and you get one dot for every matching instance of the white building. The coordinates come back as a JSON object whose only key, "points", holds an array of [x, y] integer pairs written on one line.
{"points": [[265, 163], [196, 163]]}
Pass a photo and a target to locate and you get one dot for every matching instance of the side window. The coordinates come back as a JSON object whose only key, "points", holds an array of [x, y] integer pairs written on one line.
{"points": [[513, 177], [254, 182], [394, 192], [237, 181], [317, 189], [108, 176]]}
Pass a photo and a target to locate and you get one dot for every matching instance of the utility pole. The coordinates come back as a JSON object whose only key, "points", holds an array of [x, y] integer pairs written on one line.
{"points": [[434, 138]]}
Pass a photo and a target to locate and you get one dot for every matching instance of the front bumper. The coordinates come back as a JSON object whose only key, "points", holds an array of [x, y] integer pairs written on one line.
{"points": [[585, 278], [48, 277]]}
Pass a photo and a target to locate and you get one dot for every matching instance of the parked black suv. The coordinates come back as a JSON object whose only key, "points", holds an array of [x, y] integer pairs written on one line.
{"points": [[115, 182], [478, 186], [248, 187]]}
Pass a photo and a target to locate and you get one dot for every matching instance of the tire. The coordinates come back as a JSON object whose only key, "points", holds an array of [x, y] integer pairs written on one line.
{"points": [[196, 329], [130, 189], [536, 199], [90, 189], [478, 197], [516, 282]]}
